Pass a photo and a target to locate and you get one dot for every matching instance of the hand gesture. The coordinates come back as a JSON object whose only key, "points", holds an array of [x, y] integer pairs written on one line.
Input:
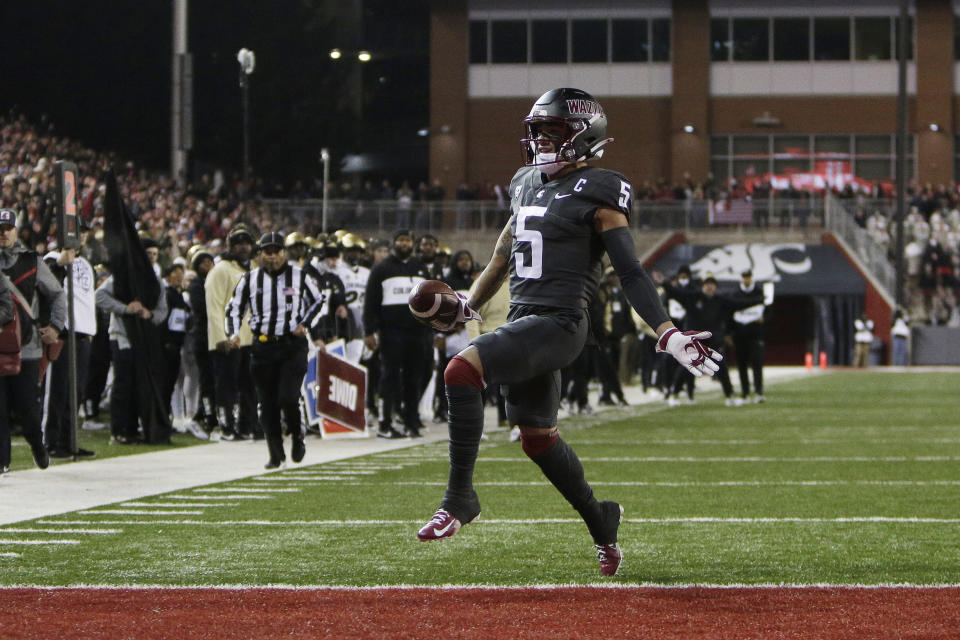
{"points": [[686, 347]]}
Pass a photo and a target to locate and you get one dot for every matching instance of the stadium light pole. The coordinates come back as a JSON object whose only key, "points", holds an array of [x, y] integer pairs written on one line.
{"points": [[325, 159], [181, 95], [901, 150], [247, 61]]}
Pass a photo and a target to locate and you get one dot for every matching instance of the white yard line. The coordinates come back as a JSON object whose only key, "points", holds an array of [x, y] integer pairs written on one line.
{"points": [[38, 542], [177, 504], [138, 512], [524, 521], [93, 532]]}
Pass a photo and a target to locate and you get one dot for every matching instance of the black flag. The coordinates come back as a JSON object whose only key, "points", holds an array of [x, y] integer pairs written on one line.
{"points": [[134, 279]]}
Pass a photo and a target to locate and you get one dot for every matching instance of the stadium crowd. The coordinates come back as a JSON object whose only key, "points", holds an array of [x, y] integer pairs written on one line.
{"points": [[931, 250]]}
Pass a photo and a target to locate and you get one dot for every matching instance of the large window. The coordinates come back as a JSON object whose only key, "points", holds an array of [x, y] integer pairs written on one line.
{"points": [[564, 41], [549, 41], [589, 40], [831, 38], [631, 41], [478, 42], [661, 39], [791, 39], [508, 41], [720, 39], [751, 39], [869, 157], [803, 39], [874, 38]]}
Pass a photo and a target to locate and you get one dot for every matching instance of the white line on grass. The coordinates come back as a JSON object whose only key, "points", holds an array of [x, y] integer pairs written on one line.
{"points": [[719, 483], [300, 479], [227, 497], [478, 587], [9, 554], [93, 532], [139, 512], [178, 504], [749, 459], [38, 542], [241, 490], [507, 521], [779, 441]]}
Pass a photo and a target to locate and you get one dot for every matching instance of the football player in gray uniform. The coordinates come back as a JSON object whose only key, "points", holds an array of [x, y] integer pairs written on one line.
{"points": [[565, 215]]}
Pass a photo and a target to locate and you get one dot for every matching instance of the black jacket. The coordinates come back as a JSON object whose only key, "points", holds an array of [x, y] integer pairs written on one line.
{"points": [[385, 304]]}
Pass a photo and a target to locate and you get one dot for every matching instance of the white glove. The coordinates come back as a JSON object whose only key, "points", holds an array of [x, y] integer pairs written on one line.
{"points": [[687, 349], [464, 314]]}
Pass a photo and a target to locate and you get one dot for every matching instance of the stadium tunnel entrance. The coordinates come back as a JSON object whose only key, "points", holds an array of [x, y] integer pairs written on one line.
{"points": [[817, 293]]}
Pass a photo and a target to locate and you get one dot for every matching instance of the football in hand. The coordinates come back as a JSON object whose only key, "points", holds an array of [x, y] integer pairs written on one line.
{"points": [[434, 303]]}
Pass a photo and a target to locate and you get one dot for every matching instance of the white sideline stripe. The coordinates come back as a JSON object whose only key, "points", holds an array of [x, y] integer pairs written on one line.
{"points": [[93, 532], [38, 542], [781, 441], [177, 504], [379, 523], [719, 483], [241, 490], [139, 512], [302, 479], [228, 497], [750, 459], [9, 554], [669, 586]]}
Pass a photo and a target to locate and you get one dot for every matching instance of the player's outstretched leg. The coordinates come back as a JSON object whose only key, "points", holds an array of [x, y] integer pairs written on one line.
{"points": [[460, 504], [562, 468]]}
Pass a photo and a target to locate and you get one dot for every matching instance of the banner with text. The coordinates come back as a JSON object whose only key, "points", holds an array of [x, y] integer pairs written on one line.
{"points": [[341, 388]]}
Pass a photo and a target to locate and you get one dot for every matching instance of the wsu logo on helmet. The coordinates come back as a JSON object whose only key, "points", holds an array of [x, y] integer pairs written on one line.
{"points": [[584, 107]]}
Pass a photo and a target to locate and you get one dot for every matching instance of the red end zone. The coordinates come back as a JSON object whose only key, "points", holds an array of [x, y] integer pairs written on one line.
{"points": [[562, 612]]}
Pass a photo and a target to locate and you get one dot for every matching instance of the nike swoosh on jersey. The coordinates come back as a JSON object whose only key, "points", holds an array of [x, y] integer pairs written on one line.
{"points": [[558, 196]]}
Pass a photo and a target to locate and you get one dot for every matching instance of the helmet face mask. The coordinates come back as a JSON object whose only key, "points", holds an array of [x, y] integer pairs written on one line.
{"points": [[572, 122]]}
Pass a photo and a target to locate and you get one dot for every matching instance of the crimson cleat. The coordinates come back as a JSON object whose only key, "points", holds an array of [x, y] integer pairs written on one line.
{"points": [[610, 557], [442, 525]]}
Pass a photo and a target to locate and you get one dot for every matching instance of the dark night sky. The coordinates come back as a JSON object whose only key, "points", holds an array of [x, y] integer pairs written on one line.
{"points": [[101, 70]]}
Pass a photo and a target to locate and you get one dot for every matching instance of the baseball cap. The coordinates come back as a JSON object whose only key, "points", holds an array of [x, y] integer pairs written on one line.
{"points": [[8, 217], [271, 239], [746, 273], [402, 232]]}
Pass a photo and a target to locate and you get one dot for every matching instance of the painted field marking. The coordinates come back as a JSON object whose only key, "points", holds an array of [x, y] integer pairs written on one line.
{"points": [[139, 512], [227, 497], [508, 521], [666, 586], [9, 554], [719, 483], [780, 442], [748, 459], [178, 504], [93, 532], [299, 479], [241, 490], [38, 542]]}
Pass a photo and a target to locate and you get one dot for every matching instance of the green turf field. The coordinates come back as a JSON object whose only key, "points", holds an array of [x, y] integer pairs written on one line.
{"points": [[845, 478]]}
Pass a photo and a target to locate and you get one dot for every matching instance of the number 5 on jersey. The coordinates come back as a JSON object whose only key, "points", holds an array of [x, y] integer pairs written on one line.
{"points": [[535, 269]]}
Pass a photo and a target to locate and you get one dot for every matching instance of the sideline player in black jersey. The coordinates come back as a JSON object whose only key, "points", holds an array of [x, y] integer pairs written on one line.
{"points": [[565, 214]]}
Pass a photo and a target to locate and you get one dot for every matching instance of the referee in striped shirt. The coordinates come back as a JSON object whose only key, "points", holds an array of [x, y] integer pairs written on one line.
{"points": [[283, 301]]}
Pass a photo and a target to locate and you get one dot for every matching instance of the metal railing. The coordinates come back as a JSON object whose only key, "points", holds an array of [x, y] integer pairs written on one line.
{"points": [[379, 217], [875, 256]]}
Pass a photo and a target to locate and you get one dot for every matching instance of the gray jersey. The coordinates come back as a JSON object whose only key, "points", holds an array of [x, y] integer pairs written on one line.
{"points": [[555, 258]]}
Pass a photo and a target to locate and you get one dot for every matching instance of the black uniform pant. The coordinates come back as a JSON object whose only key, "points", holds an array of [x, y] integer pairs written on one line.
{"points": [[97, 371], [580, 373], [277, 369], [123, 394], [749, 356], [58, 403], [608, 360], [20, 397], [171, 371], [206, 409], [402, 363], [235, 394]]}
